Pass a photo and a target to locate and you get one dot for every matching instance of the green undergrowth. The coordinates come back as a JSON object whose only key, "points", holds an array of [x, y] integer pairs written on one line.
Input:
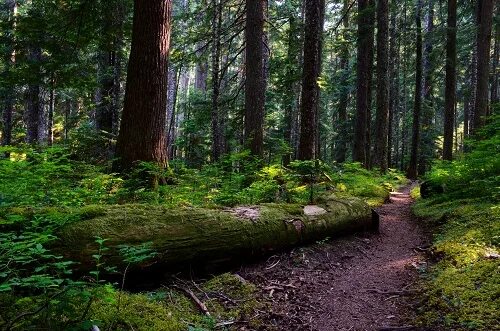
{"points": [[463, 286], [227, 298], [43, 190]]}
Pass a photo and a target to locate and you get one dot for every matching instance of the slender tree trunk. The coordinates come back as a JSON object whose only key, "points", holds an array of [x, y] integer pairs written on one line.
{"points": [[172, 88], [382, 117], [415, 142], [8, 88], [142, 129], [344, 95], [364, 60], [34, 110], [311, 71], [494, 94], [451, 80], [217, 129], [254, 85], [290, 96], [426, 143], [52, 103], [483, 62], [393, 87]]}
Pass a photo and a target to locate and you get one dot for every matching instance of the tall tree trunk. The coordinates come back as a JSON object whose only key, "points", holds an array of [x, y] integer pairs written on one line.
{"points": [[311, 71], [9, 60], [52, 103], [415, 142], [254, 85], [363, 69], [494, 94], [426, 142], [34, 110], [142, 129], [451, 80], [217, 129], [344, 94], [483, 62], [290, 117], [172, 88], [382, 117]]}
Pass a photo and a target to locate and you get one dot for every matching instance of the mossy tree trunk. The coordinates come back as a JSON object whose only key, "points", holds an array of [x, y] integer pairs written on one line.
{"points": [[195, 236]]}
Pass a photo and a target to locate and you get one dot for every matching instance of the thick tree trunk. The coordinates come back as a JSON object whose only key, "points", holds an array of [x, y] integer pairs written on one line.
{"points": [[142, 129], [483, 62], [254, 85], [364, 59], [417, 110], [451, 80], [382, 116], [185, 236], [311, 71], [343, 136]]}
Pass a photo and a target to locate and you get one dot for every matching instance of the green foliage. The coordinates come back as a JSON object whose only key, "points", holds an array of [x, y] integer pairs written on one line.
{"points": [[462, 290]]}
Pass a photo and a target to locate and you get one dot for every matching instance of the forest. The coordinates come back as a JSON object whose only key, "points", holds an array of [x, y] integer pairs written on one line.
{"points": [[249, 165]]}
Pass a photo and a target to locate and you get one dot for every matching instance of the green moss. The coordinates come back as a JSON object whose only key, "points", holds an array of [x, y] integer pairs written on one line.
{"points": [[226, 297], [463, 289]]}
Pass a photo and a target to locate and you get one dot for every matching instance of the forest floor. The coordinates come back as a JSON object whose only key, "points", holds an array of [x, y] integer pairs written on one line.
{"points": [[364, 282]]}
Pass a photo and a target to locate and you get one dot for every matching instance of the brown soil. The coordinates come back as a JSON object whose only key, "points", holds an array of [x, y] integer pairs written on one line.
{"points": [[364, 282]]}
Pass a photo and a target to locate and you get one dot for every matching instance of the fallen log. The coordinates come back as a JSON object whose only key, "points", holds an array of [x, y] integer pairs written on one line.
{"points": [[186, 236]]}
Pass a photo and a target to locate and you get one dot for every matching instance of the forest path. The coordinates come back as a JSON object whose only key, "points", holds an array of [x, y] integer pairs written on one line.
{"points": [[354, 283]]}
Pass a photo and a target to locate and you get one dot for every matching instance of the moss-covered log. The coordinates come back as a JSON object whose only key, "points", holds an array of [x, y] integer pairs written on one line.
{"points": [[194, 235]]}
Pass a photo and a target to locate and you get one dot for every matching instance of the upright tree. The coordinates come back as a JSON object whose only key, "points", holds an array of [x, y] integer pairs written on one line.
{"points": [[344, 94], [314, 10], [427, 141], [363, 71], [34, 110], [451, 79], [483, 44], [382, 116], [254, 84], [216, 117], [142, 129], [7, 91], [417, 107]]}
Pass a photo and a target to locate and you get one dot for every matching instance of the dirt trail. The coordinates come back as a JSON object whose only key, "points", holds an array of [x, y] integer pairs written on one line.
{"points": [[356, 283]]}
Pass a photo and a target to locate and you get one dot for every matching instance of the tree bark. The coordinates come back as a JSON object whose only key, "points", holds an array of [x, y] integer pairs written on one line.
{"points": [[427, 140], [344, 94], [417, 110], [217, 129], [451, 80], [290, 118], [34, 110], [363, 69], [483, 62], [254, 84], [142, 129], [194, 236], [311, 71], [382, 116], [9, 60], [494, 94]]}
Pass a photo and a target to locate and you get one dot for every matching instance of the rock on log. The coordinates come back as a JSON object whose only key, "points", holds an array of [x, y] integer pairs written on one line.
{"points": [[186, 236]]}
